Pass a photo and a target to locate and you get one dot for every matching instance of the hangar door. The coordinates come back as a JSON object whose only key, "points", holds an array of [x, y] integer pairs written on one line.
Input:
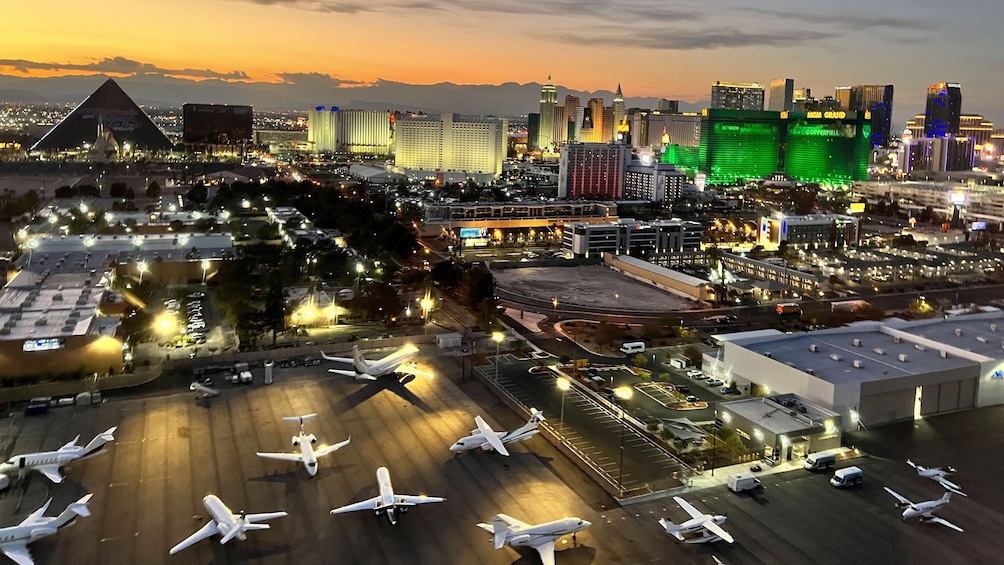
{"points": [[948, 397], [886, 407]]}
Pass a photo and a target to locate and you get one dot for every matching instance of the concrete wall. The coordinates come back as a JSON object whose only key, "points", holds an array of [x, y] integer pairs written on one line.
{"points": [[90, 353]]}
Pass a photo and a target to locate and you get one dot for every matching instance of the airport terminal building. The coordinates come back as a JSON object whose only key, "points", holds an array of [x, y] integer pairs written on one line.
{"points": [[873, 373]]}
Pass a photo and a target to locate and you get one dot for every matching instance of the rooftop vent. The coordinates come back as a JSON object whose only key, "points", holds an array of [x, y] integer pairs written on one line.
{"points": [[811, 371], [919, 347], [993, 327], [768, 355], [813, 347], [944, 354], [897, 339], [835, 357], [958, 331], [902, 357], [981, 339], [880, 351], [857, 343], [858, 364]]}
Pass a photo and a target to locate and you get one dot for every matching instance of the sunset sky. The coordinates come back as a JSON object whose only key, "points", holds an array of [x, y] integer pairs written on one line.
{"points": [[652, 47]]}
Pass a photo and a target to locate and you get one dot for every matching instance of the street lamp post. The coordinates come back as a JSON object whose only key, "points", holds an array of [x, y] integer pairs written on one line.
{"points": [[426, 305], [142, 267], [623, 394], [564, 385], [205, 267], [498, 338]]}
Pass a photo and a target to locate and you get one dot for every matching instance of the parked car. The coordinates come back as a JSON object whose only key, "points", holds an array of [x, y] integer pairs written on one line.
{"points": [[715, 382], [692, 398], [695, 373], [683, 389], [728, 390]]}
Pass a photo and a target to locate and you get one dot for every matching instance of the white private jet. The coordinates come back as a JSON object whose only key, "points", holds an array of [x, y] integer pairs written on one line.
{"points": [[49, 462], [305, 442], [387, 502], [707, 525], [923, 511], [204, 390], [937, 474], [485, 438], [370, 370], [506, 530], [225, 523], [14, 540]]}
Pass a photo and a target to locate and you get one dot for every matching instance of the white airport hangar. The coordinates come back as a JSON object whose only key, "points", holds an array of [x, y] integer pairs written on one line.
{"points": [[874, 373]]}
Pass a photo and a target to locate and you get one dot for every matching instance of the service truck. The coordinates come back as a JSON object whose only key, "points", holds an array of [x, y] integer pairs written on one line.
{"points": [[738, 482]]}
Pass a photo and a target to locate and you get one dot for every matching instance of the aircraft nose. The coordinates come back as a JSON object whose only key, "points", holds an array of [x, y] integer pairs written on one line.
{"points": [[585, 524], [456, 446]]}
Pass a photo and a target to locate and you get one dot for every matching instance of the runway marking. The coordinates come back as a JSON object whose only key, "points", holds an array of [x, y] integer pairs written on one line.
{"points": [[156, 479], [118, 485]]}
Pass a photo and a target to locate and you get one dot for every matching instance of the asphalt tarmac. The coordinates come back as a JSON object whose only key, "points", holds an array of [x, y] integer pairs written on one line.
{"points": [[172, 450]]}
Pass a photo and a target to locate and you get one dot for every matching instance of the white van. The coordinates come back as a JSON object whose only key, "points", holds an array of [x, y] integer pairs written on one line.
{"points": [[739, 482], [817, 461], [847, 477], [633, 347]]}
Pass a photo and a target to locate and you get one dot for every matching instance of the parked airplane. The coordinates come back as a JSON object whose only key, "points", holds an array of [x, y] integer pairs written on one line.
{"points": [[506, 530], [485, 438], [225, 523], [305, 442], [707, 525], [387, 502], [203, 390], [49, 462], [370, 370], [937, 474], [923, 511], [14, 540]]}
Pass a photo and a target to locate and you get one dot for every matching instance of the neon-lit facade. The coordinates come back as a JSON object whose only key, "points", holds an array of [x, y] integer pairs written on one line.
{"points": [[826, 147]]}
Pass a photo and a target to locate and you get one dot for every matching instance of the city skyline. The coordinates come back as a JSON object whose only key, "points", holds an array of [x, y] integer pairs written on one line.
{"points": [[654, 50]]}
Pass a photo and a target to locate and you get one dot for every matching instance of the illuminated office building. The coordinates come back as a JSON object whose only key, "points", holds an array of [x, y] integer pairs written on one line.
{"points": [[877, 100], [782, 91], [976, 128], [592, 170], [649, 128], [548, 100], [450, 145], [737, 96], [572, 112], [365, 131], [944, 106], [843, 96]]}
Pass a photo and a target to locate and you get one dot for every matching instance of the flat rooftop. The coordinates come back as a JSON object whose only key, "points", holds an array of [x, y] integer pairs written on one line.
{"points": [[781, 416]]}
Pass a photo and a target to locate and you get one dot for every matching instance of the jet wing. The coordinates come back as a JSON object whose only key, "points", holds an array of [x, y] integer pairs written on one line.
{"points": [[951, 486], [281, 456], [490, 436], [51, 471], [262, 517], [546, 551], [353, 374], [34, 516], [714, 528], [336, 359], [513, 521], [18, 552], [944, 522], [369, 504], [898, 496], [204, 532], [694, 513], [332, 448], [409, 499]]}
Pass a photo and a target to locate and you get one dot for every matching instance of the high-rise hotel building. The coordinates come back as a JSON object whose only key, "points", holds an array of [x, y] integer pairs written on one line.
{"points": [[592, 170], [548, 100], [737, 96], [333, 130], [944, 105], [447, 144]]}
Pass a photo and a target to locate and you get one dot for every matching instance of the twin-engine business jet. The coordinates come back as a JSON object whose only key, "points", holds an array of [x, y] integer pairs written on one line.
{"points": [[937, 474], [305, 442], [387, 502], [370, 370], [923, 511], [49, 462], [226, 523], [706, 524], [14, 540], [485, 438], [506, 530]]}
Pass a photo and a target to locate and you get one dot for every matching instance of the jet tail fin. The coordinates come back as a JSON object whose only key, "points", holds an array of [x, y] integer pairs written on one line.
{"points": [[536, 416], [499, 531], [78, 508], [99, 441], [362, 365]]}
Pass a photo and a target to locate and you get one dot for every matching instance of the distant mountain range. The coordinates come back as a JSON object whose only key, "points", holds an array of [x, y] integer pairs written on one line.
{"points": [[305, 91]]}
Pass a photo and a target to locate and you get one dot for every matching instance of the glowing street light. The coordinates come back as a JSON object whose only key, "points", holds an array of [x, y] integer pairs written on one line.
{"points": [[426, 304], [563, 384], [498, 338], [623, 394], [205, 267], [143, 268]]}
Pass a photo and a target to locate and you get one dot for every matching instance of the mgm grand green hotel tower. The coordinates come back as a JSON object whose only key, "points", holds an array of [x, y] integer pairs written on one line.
{"points": [[826, 147]]}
